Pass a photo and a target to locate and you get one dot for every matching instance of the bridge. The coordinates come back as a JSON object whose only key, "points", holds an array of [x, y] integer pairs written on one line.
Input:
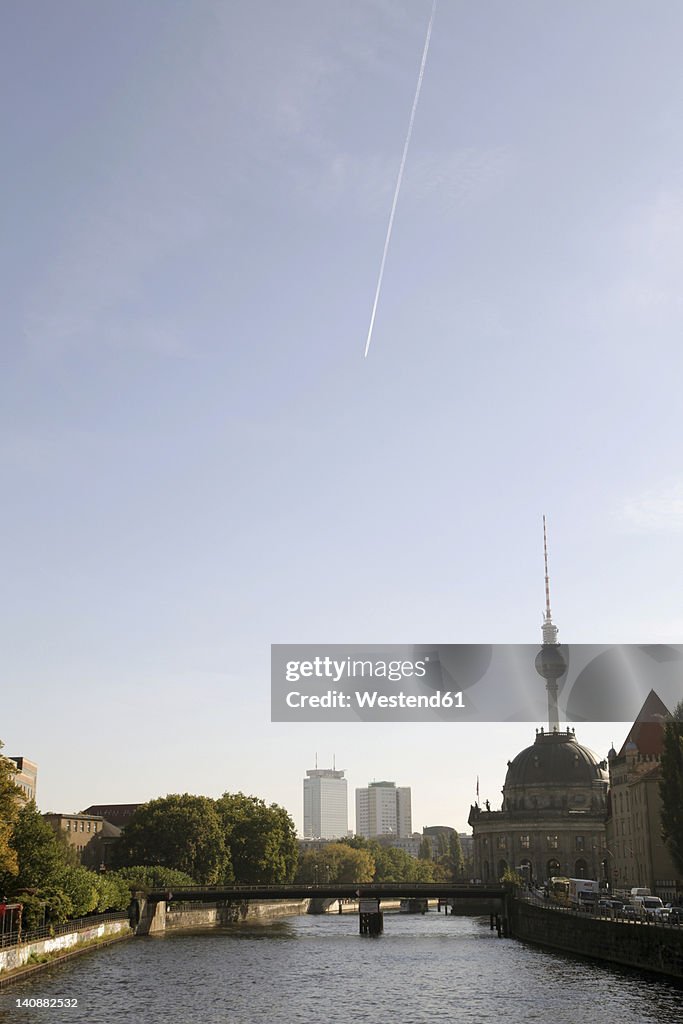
{"points": [[148, 909], [329, 890]]}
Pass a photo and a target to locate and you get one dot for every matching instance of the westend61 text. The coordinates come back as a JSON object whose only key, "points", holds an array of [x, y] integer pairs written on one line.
{"points": [[373, 699]]}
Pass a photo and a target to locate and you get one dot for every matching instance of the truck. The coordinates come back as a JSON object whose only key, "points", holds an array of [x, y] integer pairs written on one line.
{"points": [[583, 892]]}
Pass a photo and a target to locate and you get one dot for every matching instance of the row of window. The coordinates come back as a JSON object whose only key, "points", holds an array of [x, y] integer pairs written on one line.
{"points": [[552, 842], [85, 826]]}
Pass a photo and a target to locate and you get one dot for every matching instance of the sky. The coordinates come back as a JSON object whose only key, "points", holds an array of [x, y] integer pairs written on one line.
{"points": [[196, 459]]}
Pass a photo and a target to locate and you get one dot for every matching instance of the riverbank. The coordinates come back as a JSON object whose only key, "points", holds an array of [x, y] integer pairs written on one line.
{"points": [[17, 962], [647, 947]]}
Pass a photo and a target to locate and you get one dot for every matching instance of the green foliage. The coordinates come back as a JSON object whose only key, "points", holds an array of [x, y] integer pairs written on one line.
{"points": [[336, 862], [41, 859], [671, 786], [261, 839], [9, 807], [425, 849], [177, 831], [141, 877], [45, 907], [392, 864], [80, 885], [454, 860], [113, 893], [513, 877]]}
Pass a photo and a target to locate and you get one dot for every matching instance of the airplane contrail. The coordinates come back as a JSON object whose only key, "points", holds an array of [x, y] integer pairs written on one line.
{"points": [[400, 178]]}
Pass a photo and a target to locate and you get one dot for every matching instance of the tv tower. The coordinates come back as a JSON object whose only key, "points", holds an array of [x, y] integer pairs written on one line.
{"points": [[549, 661]]}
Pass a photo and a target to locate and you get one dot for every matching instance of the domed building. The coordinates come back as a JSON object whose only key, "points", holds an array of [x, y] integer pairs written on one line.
{"points": [[552, 819]]}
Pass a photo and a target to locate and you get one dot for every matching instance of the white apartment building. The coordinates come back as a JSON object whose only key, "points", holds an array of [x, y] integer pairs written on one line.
{"points": [[383, 809], [326, 804]]}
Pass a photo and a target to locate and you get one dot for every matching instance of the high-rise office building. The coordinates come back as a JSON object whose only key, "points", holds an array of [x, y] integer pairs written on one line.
{"points": [[383, 809], [26, 777], [326, 804]]}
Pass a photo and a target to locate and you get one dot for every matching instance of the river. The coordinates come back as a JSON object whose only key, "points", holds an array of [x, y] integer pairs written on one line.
{"points": [[318, 969]]}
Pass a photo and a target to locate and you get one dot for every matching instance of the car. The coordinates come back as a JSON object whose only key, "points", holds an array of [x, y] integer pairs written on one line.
{"points": [[610, 907], [676, 915], [660, 914], [629, 913]]}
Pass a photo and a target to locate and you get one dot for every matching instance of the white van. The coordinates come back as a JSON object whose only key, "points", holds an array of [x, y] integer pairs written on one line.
{"points": [[646, 905]]}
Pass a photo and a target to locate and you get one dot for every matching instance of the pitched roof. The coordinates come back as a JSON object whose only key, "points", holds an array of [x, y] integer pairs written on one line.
{"points": [[647, 732]]}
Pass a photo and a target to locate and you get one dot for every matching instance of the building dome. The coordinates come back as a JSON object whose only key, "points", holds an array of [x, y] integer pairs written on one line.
{"points": [[555, 771]]}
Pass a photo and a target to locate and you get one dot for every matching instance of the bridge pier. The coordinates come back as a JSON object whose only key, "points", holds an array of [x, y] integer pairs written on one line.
{"points": [[147, 916], [370, 917]]}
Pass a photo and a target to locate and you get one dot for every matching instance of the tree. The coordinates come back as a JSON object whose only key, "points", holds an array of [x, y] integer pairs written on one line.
{"points": [[261, 839], [177, 831], [512, 877], [80, 885], [9, 808], [671, 786], [454, 860], [394, 865], [425, 849], [113, 892], [335, 862], [140, 877], [41, 859]]}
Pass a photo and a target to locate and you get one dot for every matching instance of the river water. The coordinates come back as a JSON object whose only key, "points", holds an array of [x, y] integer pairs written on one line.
{"points": [[319, 969]]}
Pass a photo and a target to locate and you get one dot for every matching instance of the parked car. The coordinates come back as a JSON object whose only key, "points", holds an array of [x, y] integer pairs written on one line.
{"points": [[607, 906]]}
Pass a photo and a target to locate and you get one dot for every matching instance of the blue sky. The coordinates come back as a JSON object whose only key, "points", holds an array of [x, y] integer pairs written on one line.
{"points": [[196, 459]]}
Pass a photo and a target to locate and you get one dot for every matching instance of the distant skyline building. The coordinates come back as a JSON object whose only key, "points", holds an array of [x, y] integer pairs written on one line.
{"points": [[26, 777], [383, 809], [326, 804]]}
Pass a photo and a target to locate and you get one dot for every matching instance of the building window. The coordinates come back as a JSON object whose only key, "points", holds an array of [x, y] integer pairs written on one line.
{"points": [[524, 842], [501, 843], [580, 844], [552, 842], [82, 826]]}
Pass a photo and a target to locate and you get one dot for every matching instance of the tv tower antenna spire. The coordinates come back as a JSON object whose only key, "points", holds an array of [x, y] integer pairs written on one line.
{"points": [[549, 629]]}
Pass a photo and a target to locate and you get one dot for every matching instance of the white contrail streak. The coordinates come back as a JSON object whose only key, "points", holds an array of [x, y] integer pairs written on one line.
{"points": [[400, 178]]}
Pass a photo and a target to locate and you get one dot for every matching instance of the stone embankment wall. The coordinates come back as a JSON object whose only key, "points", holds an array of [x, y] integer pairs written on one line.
{"points": [[183, 917], [649, 947], [14, 957]]}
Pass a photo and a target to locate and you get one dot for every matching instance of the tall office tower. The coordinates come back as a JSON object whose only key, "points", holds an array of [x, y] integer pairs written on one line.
{"points": [[326, 804], [26, 777], [383, 809]]}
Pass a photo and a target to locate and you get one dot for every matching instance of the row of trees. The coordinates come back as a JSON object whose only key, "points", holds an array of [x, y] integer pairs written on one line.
{"points": [[235, 838], [366, 860]]}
